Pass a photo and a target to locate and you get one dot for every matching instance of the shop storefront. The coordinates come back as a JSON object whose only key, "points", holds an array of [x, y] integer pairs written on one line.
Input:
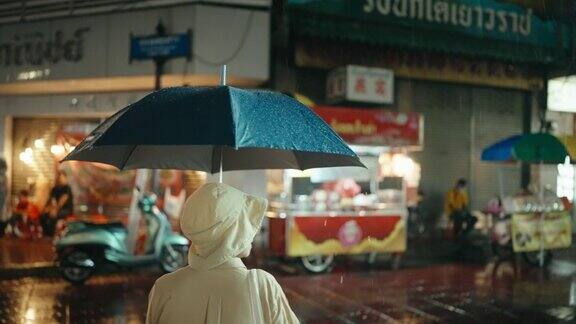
{"points": [[472, 76], [38, 145], [99, 190], [59, 78]]}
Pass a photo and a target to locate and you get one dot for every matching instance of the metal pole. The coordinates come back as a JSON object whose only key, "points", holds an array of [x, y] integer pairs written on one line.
{"points": [[500, 182], [223, 75], [541, 221], [222, 83], [159, 64], [159, 61], [526, 129], [221, 162]]}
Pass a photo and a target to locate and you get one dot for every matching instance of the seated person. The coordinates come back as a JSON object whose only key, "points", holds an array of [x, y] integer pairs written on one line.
{"points": [[59, 205], [456, 207], [24, 220]]}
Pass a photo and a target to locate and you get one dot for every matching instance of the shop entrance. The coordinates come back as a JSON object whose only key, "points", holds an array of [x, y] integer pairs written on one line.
{"points": [[38, 146], [99, 193]]}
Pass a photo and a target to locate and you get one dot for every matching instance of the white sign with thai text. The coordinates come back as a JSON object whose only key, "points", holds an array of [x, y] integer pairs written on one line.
{"points": [[361, 84]]}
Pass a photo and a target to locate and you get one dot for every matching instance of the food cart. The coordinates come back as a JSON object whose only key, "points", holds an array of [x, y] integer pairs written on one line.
{"points": [[538, 227], [531, 226], [318, 213]]}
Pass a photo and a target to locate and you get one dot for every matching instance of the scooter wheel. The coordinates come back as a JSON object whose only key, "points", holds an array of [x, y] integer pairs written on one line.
{"points": [[171, 263], [74, 274]]}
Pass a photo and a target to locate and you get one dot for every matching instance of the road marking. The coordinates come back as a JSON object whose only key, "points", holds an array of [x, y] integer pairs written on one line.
{"points": [[289, 291], [422, 313], [367, 308], [447, 307]]}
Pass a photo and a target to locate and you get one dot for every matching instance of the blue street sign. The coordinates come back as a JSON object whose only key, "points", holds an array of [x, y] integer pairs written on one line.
{"points": [[156, 46]]}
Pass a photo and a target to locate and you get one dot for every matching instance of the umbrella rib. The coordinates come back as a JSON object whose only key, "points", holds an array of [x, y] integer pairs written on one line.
{"points": [[295, 153], [128, 156], [212, 169]]}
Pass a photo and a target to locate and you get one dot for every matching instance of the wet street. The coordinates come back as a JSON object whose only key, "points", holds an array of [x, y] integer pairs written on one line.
{"points": [[451, 292]]}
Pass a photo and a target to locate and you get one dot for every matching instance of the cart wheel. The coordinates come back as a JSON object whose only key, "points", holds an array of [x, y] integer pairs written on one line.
{"points": [[396, 261], [317, 263], [533, 258], [371, 258]]}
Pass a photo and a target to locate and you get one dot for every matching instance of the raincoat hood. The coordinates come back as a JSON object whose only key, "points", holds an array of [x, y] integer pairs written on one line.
{"points": [[220, 221]]}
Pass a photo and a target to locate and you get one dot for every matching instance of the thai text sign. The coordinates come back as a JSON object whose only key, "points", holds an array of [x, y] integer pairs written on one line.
{"points": [[529, 229], [361, 84], [39, 48], [479, 18], [373, 126]]}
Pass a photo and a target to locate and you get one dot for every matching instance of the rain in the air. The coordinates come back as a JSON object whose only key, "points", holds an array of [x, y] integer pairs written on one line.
{"points": [[289, 161]]}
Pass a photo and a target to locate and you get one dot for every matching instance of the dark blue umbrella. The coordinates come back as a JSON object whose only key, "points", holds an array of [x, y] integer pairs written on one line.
{"points": [[502, 151], [205, 128]]}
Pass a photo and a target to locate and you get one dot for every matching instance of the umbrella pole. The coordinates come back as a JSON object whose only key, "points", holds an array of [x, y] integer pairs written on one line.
{"points": [[500, 183], [221, 162], [222, 83], [223, 75], [541, 221]]}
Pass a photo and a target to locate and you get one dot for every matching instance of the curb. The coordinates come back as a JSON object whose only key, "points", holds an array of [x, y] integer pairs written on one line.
{"points": [[37, 269]]}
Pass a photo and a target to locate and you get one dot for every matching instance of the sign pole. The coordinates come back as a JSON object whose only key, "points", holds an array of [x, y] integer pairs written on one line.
{"points": [[159, 61], [159, 47]]}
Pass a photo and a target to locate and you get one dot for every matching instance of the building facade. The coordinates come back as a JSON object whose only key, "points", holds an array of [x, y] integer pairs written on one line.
{"points": [[60, 76], [475, 70]]}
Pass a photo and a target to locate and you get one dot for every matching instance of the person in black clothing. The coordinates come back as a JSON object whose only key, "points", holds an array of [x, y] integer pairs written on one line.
{"points": [[60, 204]]}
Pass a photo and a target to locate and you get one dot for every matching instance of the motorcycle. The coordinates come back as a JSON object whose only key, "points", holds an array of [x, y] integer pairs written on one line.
{"points": [[84, 247]]}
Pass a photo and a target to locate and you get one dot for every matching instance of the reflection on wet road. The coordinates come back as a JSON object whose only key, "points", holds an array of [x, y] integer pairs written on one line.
{"points": [[454, 293]]}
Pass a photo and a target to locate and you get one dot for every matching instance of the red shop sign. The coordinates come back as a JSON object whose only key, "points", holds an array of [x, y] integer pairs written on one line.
{"points": [[374, 126]]}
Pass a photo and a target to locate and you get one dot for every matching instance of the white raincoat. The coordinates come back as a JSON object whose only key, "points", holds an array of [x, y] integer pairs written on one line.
{"points": [[220, 222]]}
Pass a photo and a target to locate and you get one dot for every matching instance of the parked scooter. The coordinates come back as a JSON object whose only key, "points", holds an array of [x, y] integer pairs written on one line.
{"points": [[83, 247]]}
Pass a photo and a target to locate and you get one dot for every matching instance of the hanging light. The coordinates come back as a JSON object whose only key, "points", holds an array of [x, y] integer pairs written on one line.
{"points": [[57, 149], [402, 165], [26, 156], [39, 143]]}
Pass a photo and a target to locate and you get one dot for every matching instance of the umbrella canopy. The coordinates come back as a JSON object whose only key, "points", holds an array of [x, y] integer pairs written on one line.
{"points": [[502, 151], [530, 148], [569, 142], [205, 128], [540, 148]]}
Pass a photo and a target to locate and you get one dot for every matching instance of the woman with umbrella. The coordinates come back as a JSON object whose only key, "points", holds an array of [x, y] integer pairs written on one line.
{"points": [[220, 222], [215, 130]]}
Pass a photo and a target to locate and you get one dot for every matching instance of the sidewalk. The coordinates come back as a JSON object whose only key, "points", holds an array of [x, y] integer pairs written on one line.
{"points": [[17, 253], [20, 254]]}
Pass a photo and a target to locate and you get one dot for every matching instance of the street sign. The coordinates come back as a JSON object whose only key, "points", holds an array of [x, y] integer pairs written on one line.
{"points": [[160, 46], [361, 84]]}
